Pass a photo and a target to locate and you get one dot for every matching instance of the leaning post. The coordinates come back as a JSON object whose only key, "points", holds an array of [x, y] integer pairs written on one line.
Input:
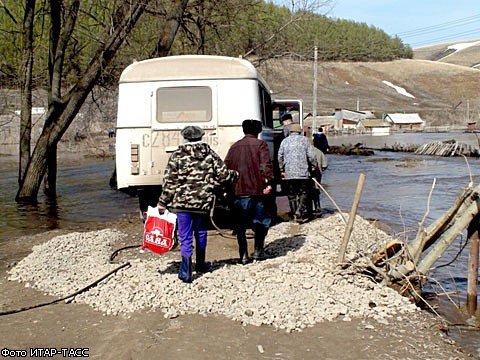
{"points": [[472, 284], [351, 219]]}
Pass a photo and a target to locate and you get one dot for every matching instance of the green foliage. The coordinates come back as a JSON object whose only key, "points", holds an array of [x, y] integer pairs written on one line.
{"points": [[255, 29], [10, 39]]}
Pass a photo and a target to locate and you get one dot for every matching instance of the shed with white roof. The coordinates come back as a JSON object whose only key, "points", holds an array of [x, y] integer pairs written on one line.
{"points": [[405, 121]]}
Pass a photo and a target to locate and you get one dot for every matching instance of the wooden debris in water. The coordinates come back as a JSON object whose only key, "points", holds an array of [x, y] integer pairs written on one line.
{"points": [[404, 264], [447, 148]]}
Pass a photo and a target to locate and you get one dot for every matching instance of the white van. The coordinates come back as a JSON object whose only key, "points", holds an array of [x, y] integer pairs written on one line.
{"points": [[159, 97]]}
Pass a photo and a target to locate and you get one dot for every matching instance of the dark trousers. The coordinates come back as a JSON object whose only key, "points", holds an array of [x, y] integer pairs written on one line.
{"points": [[299, 192], [251, 212]]}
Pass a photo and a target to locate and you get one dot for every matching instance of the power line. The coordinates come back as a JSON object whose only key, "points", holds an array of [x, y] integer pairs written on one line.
{"points": [[449, 37], [441, 26], [420, 33]]}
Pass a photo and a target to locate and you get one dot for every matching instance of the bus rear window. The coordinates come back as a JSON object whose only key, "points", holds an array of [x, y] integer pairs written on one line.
{"points": [[184, 104]]}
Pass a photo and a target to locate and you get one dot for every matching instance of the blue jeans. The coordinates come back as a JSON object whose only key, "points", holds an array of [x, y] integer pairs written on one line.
{"points": [[250, 212], [190, 224]]}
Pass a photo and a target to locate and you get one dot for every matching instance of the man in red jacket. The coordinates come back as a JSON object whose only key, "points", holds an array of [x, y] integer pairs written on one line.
{"points": [[250, 157]]}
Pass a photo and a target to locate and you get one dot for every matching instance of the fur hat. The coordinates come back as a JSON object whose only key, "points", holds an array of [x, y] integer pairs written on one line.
{"points": [[192, 133], [296, 128], [286, 117], [252, 127]]}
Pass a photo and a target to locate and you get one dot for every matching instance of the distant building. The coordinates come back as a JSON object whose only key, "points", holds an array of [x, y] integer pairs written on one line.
{"points": [[405, 121], [348, 119], [328, 123], [374, 127]]}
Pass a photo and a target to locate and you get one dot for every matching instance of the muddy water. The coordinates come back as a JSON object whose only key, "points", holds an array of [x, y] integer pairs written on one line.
{"points": [[84, 196], [395, 192]]}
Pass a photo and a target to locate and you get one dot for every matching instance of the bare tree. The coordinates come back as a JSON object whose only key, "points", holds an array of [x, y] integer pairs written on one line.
{"points": [[63, 107]]}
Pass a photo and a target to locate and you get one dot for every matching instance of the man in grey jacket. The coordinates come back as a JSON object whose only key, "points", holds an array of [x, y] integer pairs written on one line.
{"points": [[297, 159]]}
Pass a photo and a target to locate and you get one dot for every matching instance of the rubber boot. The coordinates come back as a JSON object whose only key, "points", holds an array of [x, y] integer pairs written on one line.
{"points": [[258, 253], [185, 273], [292, 202], [242, 248], [200, 265]]}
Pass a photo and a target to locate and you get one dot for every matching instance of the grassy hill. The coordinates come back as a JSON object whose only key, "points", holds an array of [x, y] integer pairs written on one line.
{"points": [[469, 56], [442, 91]]}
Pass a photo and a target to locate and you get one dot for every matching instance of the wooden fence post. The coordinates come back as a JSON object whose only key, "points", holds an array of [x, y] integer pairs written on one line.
{"points": [[351, 219], [472, 284]]}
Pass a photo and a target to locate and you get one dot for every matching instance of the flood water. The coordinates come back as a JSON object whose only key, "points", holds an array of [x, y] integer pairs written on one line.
{"points": [[395, 192], [84, 196]]}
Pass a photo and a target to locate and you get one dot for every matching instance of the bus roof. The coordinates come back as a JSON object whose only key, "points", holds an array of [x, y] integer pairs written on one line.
{"points": [[190, 67]]}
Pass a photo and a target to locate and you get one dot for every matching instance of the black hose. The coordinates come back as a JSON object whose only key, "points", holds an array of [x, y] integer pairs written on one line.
{"points": [[219, 230], [115, 253], [14, 311]]}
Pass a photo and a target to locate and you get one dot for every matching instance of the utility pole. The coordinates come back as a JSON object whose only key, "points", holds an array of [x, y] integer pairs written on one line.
{"points": [[314, 105], [468, 111]]}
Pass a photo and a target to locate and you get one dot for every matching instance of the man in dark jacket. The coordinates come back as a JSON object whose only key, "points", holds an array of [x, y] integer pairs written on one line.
{"points": [[320, 141], [250, 157], [192, 173]]}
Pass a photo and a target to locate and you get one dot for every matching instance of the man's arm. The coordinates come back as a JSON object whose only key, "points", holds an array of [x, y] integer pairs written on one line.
{"points": [[169, 183], [266, 166]]}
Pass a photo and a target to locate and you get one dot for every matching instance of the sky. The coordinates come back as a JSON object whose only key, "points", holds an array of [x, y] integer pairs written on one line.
{"points": [[416, 22]]}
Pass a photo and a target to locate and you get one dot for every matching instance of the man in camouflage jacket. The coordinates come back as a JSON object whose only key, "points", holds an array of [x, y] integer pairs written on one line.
{"points": [[191, 175]]}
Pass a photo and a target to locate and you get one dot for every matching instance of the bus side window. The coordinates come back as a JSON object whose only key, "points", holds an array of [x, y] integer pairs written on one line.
{"points": [[265, 108]]}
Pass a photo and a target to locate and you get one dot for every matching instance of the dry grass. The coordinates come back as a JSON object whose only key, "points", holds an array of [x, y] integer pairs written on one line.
{"points": [[467, 57], [441, 90]]}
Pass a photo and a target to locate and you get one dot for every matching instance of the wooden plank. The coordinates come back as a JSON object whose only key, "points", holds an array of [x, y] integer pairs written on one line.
{"points": [[472, 284], [351, 219]]}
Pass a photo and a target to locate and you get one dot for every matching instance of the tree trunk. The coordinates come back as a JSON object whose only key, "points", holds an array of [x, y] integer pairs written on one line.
{"points": [[34, 174], [169, 30], [26, 89]]}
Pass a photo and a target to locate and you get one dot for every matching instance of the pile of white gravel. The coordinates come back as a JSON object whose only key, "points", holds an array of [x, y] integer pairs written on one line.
{"points": [[299, 284]]}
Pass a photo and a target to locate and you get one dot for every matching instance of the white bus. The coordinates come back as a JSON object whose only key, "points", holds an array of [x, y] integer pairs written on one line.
{"points": [[159, 97]]}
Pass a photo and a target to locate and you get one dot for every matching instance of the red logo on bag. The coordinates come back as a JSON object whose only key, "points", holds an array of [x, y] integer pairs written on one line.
{"points": [[158, 235]]}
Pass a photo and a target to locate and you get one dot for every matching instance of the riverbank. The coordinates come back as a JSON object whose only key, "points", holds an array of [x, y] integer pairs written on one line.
{"points": [[348, 318]]}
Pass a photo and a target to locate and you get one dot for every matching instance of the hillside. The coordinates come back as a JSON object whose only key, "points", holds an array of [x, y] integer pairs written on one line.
{"points": [[465, 53], [441, 92]]}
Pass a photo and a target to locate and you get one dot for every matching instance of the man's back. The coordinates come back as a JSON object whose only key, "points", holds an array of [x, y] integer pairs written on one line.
{"points": [[295, 157], [251, 158], [320, 142]]}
